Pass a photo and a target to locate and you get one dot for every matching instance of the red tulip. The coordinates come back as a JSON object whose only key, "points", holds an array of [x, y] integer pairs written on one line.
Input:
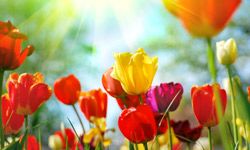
{"points": [[27, 92], [111, 85], [93, 103], [137, 124], [12, 122], [203, 18], [204, 103], [32, 143], [67, 89], [131, 100], [11, 53], [61, 138], [184, 132], [161, 123]]}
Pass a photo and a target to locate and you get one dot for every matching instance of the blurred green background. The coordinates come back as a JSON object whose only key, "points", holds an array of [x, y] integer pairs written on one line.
{"points": [[80, 37]]}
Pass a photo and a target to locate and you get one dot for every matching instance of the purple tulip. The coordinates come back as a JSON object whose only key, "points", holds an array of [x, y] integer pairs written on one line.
{"points": [[160, 97]]}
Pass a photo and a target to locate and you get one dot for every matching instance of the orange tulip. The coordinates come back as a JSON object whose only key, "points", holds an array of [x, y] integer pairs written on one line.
{"points": [[12, 122], [204, 104], [27, 92], [111, 85], [67, 89], [93, 104], [11, 53], [203, 18]]}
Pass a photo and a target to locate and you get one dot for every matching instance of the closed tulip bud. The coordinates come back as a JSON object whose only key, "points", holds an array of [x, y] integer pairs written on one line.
{"points": [[111, 85], [135, 71], [204, 103], [203, 18], [55, 142], [226, 51], [67, 89], [248, 91], [60, 139]]}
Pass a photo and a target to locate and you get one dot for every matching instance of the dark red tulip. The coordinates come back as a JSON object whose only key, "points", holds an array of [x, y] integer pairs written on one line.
{"points": [[161, 123], [93, 103], [167, 95], [204, 103], [12, 122], [248, 90], [67, 89], [137, 124], [184, 132], [11, 53]]}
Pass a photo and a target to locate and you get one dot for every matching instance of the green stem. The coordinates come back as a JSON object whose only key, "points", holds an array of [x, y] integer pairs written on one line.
{"points": [[140, 99], [131, 146], [211, 61], [26, 131], [169, 132], [79, 118], [136, 147], [233, 104], [188, 146], [1, 124], [210, 138], [145, 145]]}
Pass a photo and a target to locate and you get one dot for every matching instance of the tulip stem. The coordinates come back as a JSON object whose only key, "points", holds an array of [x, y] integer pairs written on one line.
{"points": [[79, 118], [1, 124], [188, 146], [211, 60], [26, 132], [210, 138], [169, 132], [145, 145], [233, 104]]}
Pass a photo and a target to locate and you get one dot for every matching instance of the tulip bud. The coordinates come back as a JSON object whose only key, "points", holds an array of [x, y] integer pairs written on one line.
{"points": [[226, 51], [55, 142]]}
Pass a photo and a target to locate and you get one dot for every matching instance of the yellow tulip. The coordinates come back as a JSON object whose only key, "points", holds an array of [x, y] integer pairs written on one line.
{"points": [[227, 51], [135, 71]]}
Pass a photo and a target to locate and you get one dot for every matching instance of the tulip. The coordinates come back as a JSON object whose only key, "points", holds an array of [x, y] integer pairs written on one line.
{"points": [[93, 104], [184, 132], [61, 138], [135, 71], [11, 53], [67, 89], [32, 143], [137, 124], [27, 92], [161, 123], [203, 18], [12, 122], [226, 51], [112, 86], [131, 100], [204, 103], [163, 97], [95, 136]]}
